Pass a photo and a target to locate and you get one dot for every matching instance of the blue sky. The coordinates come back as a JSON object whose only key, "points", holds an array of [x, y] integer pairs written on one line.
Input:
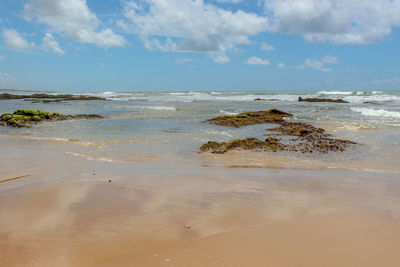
{"points": [[185, 45]]}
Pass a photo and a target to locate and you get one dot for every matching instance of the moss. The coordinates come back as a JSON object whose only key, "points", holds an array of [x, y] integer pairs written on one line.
{"points": [[250, 118], [25, 117]]}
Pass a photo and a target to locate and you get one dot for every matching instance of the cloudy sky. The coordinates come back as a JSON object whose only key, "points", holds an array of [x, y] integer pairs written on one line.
{"points": [[175, 45]]}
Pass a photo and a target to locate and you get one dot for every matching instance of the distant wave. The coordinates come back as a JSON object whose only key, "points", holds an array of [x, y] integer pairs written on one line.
{"points": [[337, 92], [188, 97], [377, 112], [228, 112]]}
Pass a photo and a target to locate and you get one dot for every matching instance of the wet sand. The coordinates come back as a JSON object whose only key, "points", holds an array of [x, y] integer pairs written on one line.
{"points": [[67, 213]]}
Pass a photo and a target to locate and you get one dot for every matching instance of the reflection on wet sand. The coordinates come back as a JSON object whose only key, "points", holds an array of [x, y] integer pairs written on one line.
{"points": [[69, 214]]}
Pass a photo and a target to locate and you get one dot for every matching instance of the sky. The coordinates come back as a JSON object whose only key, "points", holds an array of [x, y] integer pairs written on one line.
{"points": [[197, 45]]}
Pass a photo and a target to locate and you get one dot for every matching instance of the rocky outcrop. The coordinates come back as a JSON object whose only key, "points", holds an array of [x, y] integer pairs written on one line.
{"points": [[289, 136], [253, 144], [300, 99], [27, 117], [49, 98], [250, 118]]}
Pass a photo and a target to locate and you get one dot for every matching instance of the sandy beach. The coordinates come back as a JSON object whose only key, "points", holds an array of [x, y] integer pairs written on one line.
{"points": [[75, 212], [199, 133]]}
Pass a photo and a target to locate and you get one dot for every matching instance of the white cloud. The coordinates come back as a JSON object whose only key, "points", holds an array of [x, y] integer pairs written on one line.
{"points": [[315, 64], [220, 58], [74, 19], [337, 21], [2, 57], [281, 65], [267, 47], [257, 61], [7, 80], [50, 44], [320, 64], [190, 26], [330, 59], [14, 39]]}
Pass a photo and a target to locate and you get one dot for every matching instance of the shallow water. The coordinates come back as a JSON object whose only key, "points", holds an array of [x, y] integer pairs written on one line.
{"points": [[132, 189], [169, 126]]}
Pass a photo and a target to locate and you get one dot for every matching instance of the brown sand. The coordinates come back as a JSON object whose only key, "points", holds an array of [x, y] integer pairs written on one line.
{"points": [[68, 214]]}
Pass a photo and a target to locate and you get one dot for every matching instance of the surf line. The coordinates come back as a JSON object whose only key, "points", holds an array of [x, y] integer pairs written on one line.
{"points": [[15, 178]]}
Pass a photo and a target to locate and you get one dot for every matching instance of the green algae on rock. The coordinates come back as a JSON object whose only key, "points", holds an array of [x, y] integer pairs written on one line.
{"points": [[297, 136], [49, 98], [250, 118], [27, 117]]}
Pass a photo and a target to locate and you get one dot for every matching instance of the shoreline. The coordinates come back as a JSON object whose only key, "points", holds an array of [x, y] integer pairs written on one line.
{"points": [[133, 189], [68, 213]]}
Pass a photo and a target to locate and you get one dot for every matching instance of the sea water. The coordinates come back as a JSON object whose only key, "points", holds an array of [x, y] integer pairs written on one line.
{"points": [[144, 126]]}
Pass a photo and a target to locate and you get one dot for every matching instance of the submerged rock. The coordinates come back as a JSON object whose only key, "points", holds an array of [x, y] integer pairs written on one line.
{"points": [[298, 136], [300, 99], [49, 98], [250, 118], [27, 117]]}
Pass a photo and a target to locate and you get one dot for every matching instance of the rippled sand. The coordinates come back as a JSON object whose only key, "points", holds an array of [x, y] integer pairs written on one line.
{"points": [[67, 212]]}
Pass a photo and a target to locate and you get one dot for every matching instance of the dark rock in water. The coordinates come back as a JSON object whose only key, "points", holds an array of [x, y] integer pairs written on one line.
{"points": [[300, 137], [373, 102], [257, 99], [252, 144], [27, 117], [296, 129], [250, 118], [300, 99], [309, 139], [49, 98]]}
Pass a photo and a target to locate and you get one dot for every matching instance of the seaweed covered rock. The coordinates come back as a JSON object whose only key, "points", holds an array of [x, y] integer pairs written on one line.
{"points": [[251, 143], [295, 136], [250, 118], [300, 99], [27, 117], [296, 129], [49, 98], [308, 139]]}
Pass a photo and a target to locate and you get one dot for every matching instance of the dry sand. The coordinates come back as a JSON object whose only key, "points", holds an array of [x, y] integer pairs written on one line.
{"points": [[67, 213]]}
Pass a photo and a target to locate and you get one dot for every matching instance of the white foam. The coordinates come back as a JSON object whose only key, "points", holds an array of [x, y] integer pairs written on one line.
{"points": [[373, 98], [228, 112], [377, 112], [335, 92], [159, 108], [169, 108]]}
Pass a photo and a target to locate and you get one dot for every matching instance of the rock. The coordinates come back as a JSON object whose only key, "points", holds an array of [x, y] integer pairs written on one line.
{"points": [[309, 139], [251, 143], [257, 99], [372, 102], [301, 137], [49, 98], [300, 99], [26, 117], [250, 118]]}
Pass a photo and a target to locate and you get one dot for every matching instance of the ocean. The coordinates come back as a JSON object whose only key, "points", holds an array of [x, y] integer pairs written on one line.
{"points": [[169, 126]]}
